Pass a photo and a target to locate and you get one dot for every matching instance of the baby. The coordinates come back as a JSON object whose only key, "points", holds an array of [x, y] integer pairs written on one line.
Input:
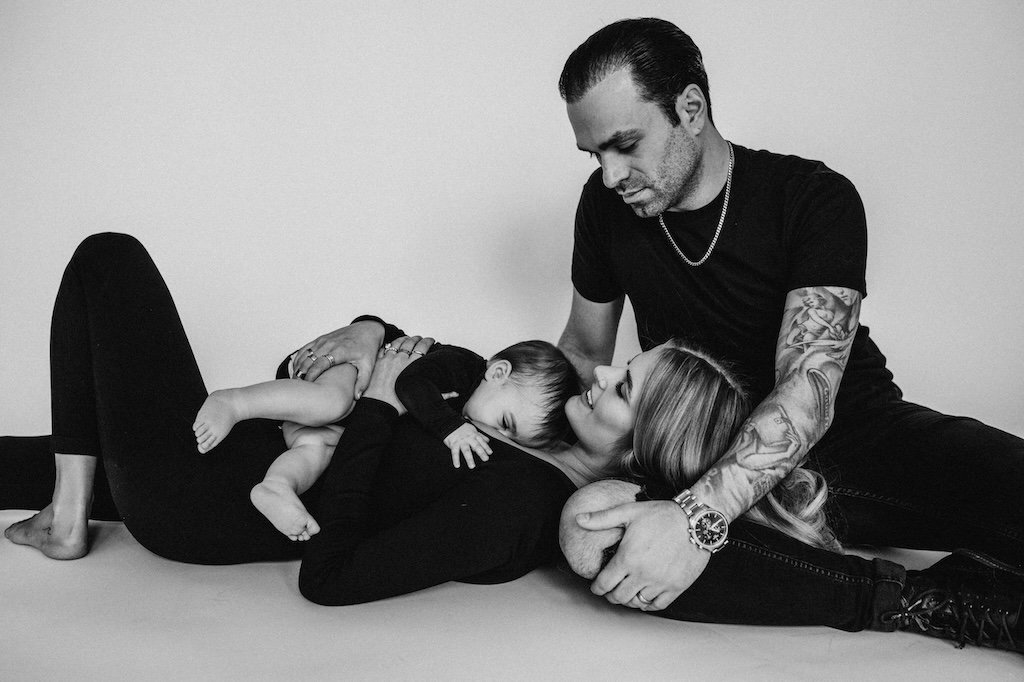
{"points": [[588, 551], [520, 392]]}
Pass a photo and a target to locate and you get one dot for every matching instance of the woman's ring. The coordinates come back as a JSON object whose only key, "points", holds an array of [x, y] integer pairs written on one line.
{"points": [[309, 351], [312, 358], [642, 599], [387, 347], [330, 360]]}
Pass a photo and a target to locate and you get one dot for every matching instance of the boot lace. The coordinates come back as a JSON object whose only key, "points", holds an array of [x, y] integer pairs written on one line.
{"points": [[936, 612]]}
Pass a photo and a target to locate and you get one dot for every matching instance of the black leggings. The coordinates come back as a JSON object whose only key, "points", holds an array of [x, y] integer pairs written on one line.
{"points": [[126, 388]]}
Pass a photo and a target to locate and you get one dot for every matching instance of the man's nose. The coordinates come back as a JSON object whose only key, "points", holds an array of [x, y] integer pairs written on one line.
{"points": [[613, 171]]}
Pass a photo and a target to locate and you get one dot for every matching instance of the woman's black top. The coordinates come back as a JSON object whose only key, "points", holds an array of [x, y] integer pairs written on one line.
{"points": [[396, 516]]}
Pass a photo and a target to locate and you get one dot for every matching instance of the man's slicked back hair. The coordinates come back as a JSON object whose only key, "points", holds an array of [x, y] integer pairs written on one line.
{"points": [[661, 58]]}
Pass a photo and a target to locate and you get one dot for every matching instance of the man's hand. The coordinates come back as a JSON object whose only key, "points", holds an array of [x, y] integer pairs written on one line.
{"points": [[466, 441], [356, 344], [655, 558]]}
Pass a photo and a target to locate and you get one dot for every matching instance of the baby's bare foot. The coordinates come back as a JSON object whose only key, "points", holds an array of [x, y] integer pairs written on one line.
{"points": [[219, 413], [282, 507], [53, 535]]}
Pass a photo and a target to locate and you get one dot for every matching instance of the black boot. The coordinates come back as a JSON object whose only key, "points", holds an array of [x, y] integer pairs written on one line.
{"points": [[967, 597]]}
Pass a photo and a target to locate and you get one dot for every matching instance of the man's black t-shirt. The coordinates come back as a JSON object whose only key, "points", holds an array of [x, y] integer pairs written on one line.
{"points": [[791, 223]]}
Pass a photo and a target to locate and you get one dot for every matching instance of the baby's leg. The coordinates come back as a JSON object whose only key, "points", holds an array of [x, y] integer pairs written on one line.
{"points": [[324, 401], [219, 413], [291, 474]]}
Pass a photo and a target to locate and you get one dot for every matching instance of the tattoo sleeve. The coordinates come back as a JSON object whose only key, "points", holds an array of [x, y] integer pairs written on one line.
{"points": [[817, 330]]}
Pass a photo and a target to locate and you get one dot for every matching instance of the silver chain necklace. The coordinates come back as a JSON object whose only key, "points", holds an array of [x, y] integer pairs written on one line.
{"points": [[721, 221]]}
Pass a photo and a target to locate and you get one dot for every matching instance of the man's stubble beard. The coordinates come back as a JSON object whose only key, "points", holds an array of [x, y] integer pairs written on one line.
{"points": [[678, 165]]}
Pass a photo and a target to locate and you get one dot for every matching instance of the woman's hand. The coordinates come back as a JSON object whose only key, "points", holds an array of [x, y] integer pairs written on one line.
{"points": [[391, 360], [356, 344]]}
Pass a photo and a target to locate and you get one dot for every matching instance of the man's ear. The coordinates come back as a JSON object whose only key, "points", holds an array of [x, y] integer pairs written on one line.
{"points": [[498, 371], [692, 108]]}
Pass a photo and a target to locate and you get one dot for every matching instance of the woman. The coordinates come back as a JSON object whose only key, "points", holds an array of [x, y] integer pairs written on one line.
{"points": [[783, 564], [395, 515]]}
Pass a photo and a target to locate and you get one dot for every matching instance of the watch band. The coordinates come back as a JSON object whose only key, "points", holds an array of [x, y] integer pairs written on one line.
{"points": [[688, 502], [709, 529]]}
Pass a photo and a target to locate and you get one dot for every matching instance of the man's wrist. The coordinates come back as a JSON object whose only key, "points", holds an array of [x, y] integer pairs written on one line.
{"points": [[709, 528]]}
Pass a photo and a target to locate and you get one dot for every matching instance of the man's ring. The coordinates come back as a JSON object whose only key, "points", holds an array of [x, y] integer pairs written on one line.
{"points": [[418, 353], [330, 360], [642, 599]]}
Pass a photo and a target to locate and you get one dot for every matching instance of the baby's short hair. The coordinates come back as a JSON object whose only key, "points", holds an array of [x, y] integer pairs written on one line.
{"points": [[540, 364], [588, 551]]}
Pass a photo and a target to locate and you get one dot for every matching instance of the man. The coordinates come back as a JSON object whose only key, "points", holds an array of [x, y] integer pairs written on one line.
{"points": [[760, 259]]}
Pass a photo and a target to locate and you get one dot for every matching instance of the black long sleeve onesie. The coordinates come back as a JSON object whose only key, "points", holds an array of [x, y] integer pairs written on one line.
{"points": [[396, 517]]}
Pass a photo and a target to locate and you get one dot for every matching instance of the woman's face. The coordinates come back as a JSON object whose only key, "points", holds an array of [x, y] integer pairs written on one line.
{"points": [[603, 415]]}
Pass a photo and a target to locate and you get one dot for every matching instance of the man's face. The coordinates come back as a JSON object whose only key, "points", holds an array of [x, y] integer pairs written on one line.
{"points": [[648, 161]]}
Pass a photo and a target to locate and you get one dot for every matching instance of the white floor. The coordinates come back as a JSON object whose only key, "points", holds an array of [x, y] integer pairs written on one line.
{"points": [[122, 613]]}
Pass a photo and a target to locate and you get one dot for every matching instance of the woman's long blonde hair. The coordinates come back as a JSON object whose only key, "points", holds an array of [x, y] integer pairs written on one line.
{"points": [[689, 410]]}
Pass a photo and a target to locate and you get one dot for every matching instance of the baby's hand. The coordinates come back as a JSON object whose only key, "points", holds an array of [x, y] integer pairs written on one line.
{"points": [[466, 441]]}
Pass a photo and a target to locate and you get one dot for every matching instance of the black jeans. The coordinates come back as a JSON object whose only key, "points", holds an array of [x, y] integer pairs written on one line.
{"points": [[900, 476], [126, 387]]}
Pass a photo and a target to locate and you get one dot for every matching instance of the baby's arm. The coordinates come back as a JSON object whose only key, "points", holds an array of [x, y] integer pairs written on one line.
{"points": [[324, 401], [420, 388], [466, 441]]}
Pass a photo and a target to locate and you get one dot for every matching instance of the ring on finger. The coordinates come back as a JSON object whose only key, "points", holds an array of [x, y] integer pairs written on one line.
{"points": [[330, 360], [642, 599], [313, 358], [420, 353]]}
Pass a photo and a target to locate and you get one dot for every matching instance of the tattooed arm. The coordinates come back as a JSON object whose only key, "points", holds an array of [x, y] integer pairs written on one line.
{"points": [[655, 555], [796, 414]]}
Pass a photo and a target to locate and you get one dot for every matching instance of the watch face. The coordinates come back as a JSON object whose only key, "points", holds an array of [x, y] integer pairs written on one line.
{"points": [[710, 529]]}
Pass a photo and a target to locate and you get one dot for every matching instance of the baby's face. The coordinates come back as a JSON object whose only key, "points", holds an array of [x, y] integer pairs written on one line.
{"points": [[514, 411]]}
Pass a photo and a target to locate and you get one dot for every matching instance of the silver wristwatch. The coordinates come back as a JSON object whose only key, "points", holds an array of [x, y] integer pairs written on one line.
{"points": [[709, 528]]}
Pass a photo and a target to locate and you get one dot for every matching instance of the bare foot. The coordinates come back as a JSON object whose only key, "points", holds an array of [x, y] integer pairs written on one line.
{"points": [[282, 507], [52, 535], [219, 413]]}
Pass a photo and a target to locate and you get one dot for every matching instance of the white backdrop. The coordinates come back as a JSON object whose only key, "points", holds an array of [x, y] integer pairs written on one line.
{"points": [[290, 165]]}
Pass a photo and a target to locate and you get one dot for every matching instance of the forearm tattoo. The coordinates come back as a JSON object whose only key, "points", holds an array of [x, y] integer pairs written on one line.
{"points": [[817, 331]]}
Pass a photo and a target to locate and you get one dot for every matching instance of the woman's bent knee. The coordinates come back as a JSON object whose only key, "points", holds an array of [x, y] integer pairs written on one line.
{"points": [[109, 247]]}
